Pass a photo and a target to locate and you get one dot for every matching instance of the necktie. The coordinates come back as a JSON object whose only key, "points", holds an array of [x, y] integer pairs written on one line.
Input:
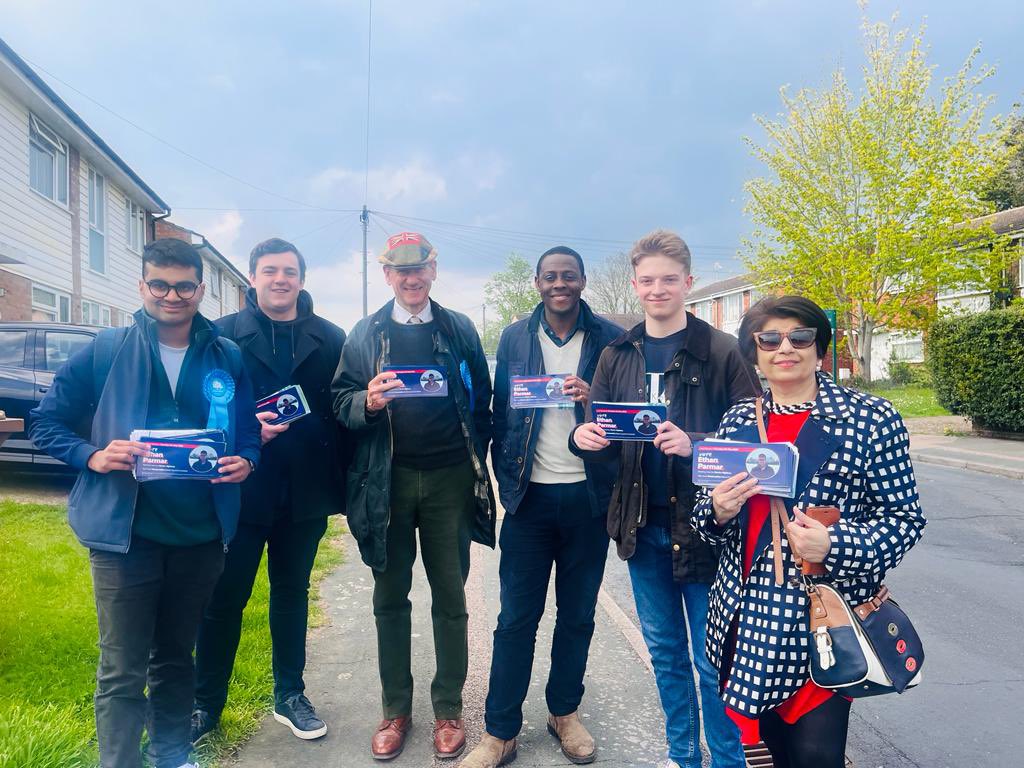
{"points": [[413, 320]]}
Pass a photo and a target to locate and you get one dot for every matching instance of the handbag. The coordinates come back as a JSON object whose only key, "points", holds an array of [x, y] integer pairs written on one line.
{"points": [[859, 651]]}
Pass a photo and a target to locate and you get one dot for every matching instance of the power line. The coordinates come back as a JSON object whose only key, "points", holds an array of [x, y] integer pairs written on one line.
{"points": [[166, 143], [266, 210]]}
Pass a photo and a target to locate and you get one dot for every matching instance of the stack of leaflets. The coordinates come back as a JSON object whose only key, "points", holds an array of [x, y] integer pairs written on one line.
{"points": [[419, 380], [774, 465], [179, 454], [543, 390], [289, 404], [629, 421]]}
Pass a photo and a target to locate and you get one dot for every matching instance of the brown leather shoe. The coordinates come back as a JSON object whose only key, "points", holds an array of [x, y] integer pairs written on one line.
{"points": [[389, 740], [577, 743], [491, 752], [449, 738]]}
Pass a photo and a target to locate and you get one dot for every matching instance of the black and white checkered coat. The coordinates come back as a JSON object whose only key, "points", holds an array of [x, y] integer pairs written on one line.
{"points": [[854, 455]]}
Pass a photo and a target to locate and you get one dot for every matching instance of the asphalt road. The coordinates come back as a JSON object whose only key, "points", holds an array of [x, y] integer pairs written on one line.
{"points": [[963, 586]]}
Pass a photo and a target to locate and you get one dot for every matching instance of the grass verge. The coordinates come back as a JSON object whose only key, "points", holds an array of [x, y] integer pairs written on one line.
{"points": [[48, 647], [912, 401]]}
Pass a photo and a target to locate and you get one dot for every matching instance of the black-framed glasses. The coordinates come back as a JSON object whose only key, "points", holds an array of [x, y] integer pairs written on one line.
{"points": [[800, 338], [186, 289]]}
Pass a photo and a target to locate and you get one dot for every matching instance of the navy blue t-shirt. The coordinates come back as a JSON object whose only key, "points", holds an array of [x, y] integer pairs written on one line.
{"points": [[658, 356]]}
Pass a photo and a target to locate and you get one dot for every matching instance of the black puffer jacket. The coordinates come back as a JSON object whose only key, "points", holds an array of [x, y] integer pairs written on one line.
{"points": [[309, 458], [457, 348], [707, 376]]}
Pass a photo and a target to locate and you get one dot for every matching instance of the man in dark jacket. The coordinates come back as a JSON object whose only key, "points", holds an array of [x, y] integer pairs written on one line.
{"points": [[698, 372], [156, 549], [555, 510], [285, 504], [419, 463]]}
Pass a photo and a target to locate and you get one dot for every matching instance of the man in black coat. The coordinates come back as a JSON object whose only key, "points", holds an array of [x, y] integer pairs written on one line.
{"points": [[286, 503]]}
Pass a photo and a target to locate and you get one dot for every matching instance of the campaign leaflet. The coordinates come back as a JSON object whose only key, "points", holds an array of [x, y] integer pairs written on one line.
{"points": [[179, 454], [289, 404], [773, 464], [629, 421], [543, 390], [419, 380]]}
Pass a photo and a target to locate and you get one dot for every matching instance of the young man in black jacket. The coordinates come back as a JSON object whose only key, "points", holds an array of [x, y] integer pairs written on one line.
{"points": [[419, 464], [285, 504], [698, 373], [156, 548], [555, 514]]}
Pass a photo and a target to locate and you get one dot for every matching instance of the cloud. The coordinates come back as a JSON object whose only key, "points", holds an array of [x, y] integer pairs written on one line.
{"points": [[414, 182], [337, 289], [223, 231], [221, 82], [482, 170]]}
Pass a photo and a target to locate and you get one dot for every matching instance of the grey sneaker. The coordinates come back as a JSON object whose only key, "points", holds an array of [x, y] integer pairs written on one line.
{"points": [[298, 714]]}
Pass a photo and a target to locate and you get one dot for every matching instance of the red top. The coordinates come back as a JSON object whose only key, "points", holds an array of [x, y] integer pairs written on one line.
{"points": [[782, 428]]}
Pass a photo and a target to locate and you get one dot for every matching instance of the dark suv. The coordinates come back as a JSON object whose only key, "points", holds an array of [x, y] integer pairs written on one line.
{"points": [[30, 354]]}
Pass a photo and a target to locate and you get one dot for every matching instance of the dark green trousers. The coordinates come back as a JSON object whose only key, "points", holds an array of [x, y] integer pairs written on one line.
{"points": [[440, 503]]}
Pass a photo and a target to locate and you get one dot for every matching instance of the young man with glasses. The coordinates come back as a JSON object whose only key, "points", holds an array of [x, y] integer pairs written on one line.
{"points": [[157, 548], [419, 465], [286, 502], [698, 373]]}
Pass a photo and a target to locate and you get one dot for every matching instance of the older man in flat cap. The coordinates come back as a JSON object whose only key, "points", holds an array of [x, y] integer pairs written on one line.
{"points": [[419, 464]]}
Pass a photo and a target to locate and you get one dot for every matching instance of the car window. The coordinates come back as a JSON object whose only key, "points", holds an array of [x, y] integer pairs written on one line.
{"points": [[60, 345], [12, 348]]}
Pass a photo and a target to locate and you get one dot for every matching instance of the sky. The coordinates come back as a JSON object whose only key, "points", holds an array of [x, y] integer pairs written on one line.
{"points": [[493, 127]]}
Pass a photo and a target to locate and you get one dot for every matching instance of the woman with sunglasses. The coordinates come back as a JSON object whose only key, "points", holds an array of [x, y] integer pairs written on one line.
{"points": [[853, 455]]}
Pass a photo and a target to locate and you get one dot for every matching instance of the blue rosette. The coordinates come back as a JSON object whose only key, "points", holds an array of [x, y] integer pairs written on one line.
{"points": [[219, 389]]}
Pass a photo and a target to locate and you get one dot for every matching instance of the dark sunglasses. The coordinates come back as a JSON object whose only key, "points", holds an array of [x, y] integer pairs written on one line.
{"points": [[800, 338], [186, 289]]}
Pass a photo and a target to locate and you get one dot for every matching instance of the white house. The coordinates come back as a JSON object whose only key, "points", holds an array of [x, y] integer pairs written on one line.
{"points": [[74, 217]]}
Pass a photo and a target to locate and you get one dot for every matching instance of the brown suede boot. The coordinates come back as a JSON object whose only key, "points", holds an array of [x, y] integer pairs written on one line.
{"points": [[577, 743], [491, 752]]}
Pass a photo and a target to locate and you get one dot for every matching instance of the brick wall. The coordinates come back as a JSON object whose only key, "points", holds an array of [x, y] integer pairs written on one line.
{"points": [[163, 228], [16, 303]]}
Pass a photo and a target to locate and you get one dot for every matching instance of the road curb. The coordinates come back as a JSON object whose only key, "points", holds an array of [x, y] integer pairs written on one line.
{"points": [[976, 466]]}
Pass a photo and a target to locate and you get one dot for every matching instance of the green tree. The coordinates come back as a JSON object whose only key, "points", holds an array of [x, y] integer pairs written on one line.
{"points": [[510, 294], [864, 203], [1006, 188], [609, 289]]}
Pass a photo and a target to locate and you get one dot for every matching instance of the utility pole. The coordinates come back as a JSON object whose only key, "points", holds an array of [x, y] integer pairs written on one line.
{"points": [[364, 218]]}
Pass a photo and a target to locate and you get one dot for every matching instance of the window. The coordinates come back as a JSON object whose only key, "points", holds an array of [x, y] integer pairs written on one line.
{"points": [[124, 319], [134, 225], [12, 348], [95, 314], [907, 348], [50, 306], [214, 282], [47, 162], [732, 307], [60, 345], [97, 222], [702, 309]]}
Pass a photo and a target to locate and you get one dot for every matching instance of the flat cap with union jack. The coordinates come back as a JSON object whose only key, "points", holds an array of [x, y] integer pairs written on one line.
{"points": [[407, 249]]}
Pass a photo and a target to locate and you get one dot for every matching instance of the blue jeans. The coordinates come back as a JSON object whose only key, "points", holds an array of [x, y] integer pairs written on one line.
{"points": [[660, 602], [552, 527]]}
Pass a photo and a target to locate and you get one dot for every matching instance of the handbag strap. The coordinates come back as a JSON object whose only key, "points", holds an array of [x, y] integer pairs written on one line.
{"points": [[778, 513]]}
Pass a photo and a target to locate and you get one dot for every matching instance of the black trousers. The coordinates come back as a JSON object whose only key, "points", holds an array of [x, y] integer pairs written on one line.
{"points": [[291, 548], [552, 527], [816, 740], [148, 602]]}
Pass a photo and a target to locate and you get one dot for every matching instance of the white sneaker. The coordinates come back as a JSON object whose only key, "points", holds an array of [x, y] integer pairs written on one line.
{"points": [[189, 765], [666, 763]]}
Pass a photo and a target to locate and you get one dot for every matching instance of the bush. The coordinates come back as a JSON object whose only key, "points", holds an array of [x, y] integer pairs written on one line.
{"points": [[900, 373], [977, 363]]}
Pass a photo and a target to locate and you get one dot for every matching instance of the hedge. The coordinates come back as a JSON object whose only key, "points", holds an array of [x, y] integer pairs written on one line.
{"points": [[977, 363]]}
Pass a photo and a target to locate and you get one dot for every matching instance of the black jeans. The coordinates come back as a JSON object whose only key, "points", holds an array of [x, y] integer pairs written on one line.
{"points": [[816, 740], [553, 526], [148, 602], [291, 549]]}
